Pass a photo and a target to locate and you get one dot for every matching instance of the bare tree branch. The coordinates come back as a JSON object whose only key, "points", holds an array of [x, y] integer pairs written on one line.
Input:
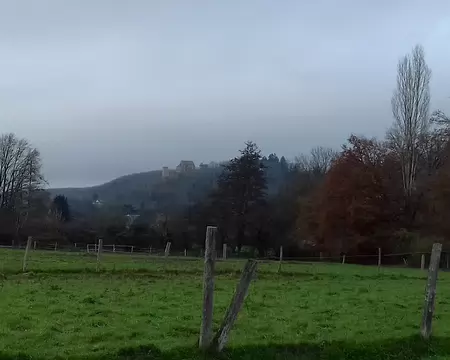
{"points": [[318, 161]]}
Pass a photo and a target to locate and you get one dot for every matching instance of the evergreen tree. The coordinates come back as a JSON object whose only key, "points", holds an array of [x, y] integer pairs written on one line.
{"points": [[241, 189], [61, 208]]}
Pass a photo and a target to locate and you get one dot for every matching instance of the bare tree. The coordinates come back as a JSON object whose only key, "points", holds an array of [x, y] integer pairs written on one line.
{"points": [[20, 172], [318, 161], [20, 178], [410, 107], [440, 118]]}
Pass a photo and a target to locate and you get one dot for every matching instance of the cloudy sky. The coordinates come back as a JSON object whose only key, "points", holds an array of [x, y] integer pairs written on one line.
{"points": [[109, 87]]}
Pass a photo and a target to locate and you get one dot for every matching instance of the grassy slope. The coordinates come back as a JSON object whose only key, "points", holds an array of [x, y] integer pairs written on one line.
{"points": [[141, 308]]}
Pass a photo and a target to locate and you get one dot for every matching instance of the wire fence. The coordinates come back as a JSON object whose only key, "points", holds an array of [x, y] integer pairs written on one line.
{"points": [[93, 257]]}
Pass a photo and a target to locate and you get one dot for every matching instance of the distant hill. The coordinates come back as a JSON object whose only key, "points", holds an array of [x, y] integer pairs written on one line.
{"points": [[145, 191], [151, 191], [118, 189]]}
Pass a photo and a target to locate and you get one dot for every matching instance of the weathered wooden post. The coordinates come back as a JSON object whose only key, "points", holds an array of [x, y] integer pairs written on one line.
{"points": [[343, 259], [281, 259], [321, 256], [447, 258], [25, 256], [34, 245], [114, 248], [221, 337], [150, 250], [208, 288], [422, 262], [167, 249], [379, 257], [430, 292], [87, 248], [99, 253], [224, 251], [132, 248], [185, 252]]}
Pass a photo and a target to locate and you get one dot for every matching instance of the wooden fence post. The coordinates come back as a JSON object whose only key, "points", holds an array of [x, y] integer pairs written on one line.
{"points": [[221, 337], [25, 256], [34, 245], [150, 250], [99, 253], [447, 258], [430, 293], [321, 256], [208, 288], [132, 248], [56, 246], [343, 259], [87, 248], [185, 252], [114, 248], [224, 251], [167, 249], [379, 257], [422, 262], [281, 259]]}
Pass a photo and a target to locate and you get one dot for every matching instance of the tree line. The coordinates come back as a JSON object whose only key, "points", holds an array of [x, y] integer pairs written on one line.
{"points": [[392, 193]]}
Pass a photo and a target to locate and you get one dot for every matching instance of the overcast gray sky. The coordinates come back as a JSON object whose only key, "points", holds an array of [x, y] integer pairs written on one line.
{"points": [[105, 88]]}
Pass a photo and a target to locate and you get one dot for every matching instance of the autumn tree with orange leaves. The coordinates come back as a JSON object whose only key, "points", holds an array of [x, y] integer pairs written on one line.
{"points": [[359, 198]]}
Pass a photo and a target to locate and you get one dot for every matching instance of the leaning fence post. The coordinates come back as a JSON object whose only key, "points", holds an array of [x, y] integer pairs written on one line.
{"points": [[281, 258], [208, 288], [99, 253], [379, 257], [343, 259], [224, 251], [422, 262], [430, 292], [25, 256], [221, 337]]}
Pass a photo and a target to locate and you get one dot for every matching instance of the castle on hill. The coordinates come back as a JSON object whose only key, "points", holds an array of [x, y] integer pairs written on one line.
{"points": [[185, 166]]}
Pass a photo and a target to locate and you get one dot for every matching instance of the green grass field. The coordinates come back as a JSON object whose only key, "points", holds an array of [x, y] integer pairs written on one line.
{"points": [[142, 308]]}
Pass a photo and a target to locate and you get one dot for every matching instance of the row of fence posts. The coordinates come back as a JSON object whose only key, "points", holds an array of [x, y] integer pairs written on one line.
{"points": [[166, 249], [206, 340], [422, 259]]}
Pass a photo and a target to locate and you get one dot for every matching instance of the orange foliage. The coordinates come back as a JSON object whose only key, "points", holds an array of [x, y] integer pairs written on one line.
{"points": [[356, 199]]}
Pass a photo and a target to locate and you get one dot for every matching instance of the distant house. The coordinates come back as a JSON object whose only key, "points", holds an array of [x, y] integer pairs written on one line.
{"points": [[185, 166]]}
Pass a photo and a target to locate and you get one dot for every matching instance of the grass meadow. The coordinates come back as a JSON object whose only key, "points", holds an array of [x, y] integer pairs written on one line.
{"points": [[141, 307]]}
